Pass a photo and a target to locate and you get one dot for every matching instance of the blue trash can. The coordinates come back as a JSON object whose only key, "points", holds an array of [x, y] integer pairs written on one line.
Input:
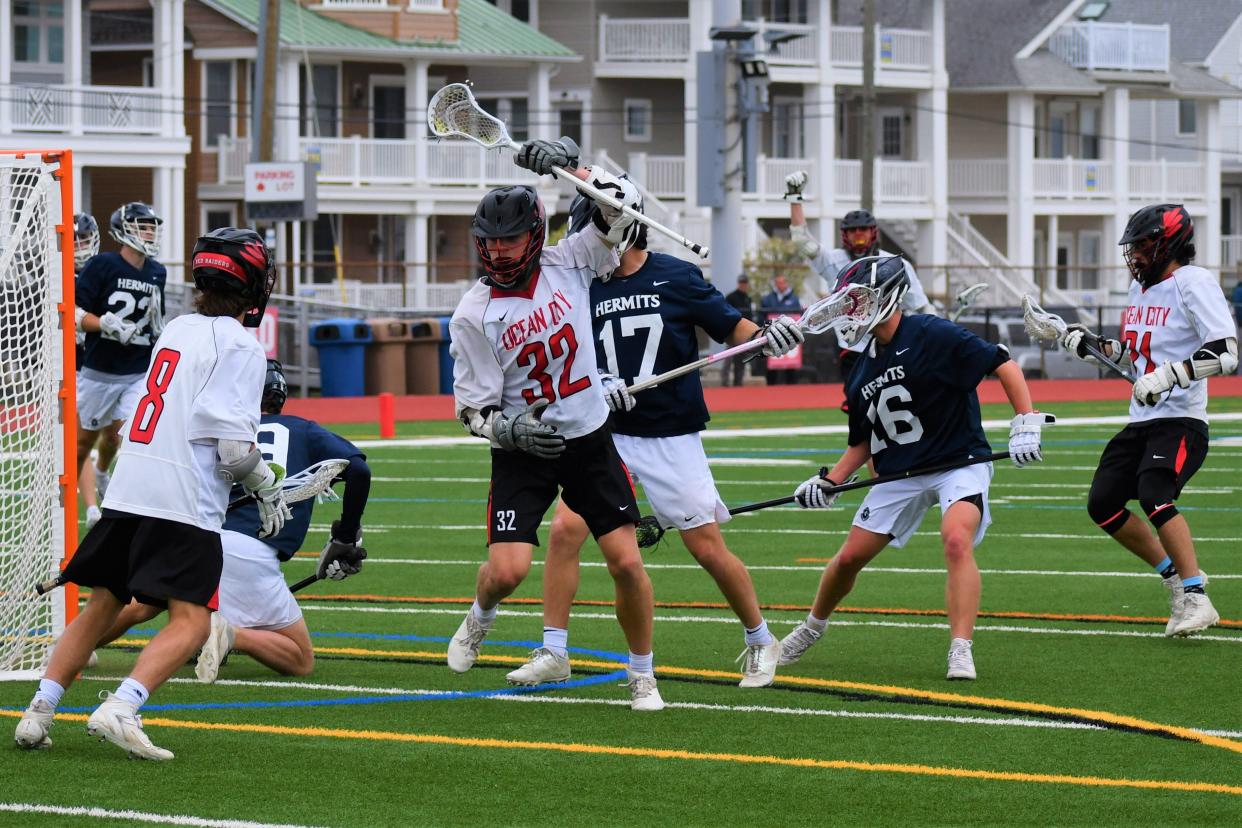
{"points": [[446, 359], [342, 345]]}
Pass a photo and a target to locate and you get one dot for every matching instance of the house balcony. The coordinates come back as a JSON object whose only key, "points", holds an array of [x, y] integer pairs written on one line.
{"points": [[1073, 180], [78, 110], [1120, 47]]}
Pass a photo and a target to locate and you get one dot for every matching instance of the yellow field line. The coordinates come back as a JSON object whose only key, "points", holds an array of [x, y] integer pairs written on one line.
{"points": [[685, 755]]}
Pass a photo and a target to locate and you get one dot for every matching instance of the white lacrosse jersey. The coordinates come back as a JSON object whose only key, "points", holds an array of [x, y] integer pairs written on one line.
{"points": [[829, 263], [204, 384], [1167, 323], [513, 348]]}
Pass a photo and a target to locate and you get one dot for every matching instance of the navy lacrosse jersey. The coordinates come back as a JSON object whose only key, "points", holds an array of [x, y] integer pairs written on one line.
{"points": [[109, 284], [295, 444], [914, 399], [644, 326]]}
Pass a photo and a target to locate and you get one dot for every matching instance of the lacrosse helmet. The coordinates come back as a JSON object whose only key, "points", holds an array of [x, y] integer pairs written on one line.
{"points": [[235, 260], [860, 235], [503, 213], [138, 226], [85, 239], [1155, 236], [275, 388], [886, 276], [585, 211]]}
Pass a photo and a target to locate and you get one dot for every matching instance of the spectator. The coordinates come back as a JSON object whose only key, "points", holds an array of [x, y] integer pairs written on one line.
{"points": [[781, 299], [740, 299]]}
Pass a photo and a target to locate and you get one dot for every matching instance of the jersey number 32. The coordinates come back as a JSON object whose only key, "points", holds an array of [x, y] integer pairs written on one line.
{"points": [[563, 343]]}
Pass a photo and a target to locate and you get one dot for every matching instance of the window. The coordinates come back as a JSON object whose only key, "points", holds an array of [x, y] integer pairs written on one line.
{"points": [[218, 90], [324, 120], [1186, 117], [892, 133], [571, 123], [1089, 129], [387, 107], [216, 216], [39, 34], [1089, 259], [520, 9], [786, 127], [637, 120]]}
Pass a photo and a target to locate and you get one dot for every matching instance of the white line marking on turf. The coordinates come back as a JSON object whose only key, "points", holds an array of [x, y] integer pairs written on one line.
{"points": [[138, 816]]}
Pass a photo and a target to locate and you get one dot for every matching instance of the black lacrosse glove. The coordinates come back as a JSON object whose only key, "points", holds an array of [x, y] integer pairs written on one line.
{"points": [[526, 432], [341, 558], [541, 156]]}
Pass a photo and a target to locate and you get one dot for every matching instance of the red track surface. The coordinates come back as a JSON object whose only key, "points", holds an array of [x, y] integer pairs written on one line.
{"points": [[753, 398]]}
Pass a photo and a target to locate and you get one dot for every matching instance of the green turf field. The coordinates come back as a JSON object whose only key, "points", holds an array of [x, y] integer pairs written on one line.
{"points": [[1083, 712]]}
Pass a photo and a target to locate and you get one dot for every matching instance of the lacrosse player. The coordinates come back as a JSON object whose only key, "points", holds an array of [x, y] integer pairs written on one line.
{"points": [[1176, 331], [913, 404], [118, 295], [645, 320], [191, 436], [525, 379], [85, 246]]}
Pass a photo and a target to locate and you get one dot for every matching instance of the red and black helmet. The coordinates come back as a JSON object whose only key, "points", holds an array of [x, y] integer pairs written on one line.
{"points": [[1155, 236], [860, 235], [503, 213], [235, 260]]}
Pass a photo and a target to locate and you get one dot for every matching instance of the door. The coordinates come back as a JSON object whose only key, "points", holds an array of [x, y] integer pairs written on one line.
{"points": [[388, 107]]}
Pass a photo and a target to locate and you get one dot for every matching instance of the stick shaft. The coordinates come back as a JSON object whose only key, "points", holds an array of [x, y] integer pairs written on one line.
{"points": [[305, 582], [742, 348]]}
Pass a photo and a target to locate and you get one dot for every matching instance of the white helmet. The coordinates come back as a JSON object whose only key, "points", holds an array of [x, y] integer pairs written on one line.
{"points": [[138, 226]]}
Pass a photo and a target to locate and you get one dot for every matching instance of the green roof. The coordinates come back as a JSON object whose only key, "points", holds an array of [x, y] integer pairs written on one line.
{"points": [[482, 29]]}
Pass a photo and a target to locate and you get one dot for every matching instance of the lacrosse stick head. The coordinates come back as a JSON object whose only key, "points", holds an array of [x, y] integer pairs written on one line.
{"points": [[1039, 323], [851, 311], [313, 480], [968, 295], [648, 531], [453, 112]]}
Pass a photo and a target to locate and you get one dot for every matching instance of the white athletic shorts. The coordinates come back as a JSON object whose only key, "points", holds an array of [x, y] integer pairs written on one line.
{"points": [[675, 476], [102, 403], [253, 593], [898, 508]]}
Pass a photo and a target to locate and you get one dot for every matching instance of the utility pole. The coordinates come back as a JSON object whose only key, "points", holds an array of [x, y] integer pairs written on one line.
{"points": [[867, 150], [727, 218], [263, 115]]}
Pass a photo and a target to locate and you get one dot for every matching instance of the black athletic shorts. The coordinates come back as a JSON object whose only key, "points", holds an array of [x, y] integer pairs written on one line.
{"points": [[590, 476], [151, 559], [1178, 444]]}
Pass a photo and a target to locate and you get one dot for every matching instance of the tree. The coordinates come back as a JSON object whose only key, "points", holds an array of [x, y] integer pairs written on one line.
{"points": [[773, 257]]}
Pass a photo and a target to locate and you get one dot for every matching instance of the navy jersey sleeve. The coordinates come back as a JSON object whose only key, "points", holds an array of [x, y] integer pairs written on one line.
{"points": [[324, 445], [708, 307], [90, 285], [966, 358]]}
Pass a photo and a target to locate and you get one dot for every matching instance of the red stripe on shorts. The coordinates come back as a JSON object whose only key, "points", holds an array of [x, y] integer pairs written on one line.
{"points": [[1111, 519], [214, 603], [490, 486], [1181, 457], [629, 477]]}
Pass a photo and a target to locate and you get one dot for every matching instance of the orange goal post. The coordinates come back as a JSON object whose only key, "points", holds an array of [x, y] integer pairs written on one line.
{"points": [[38, 413]]}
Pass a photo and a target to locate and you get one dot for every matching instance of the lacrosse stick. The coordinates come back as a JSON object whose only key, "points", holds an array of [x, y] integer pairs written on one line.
{"points": [[851, 306], [649, 531], [1048, 326], [155, 317], [453, 112], [966, 298]]}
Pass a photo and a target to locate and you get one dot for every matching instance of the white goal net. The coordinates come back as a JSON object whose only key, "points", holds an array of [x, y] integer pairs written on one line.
{"points": [[35, 379]]}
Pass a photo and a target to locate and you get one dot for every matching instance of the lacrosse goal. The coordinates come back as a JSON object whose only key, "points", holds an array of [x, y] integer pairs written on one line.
{"points": [[38, 441]]}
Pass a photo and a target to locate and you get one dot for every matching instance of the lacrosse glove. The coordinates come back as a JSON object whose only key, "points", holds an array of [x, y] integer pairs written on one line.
{"points": [[794, 182], [782, 335], [1078, 337], [812, 494], [526, 432], [270, 498], [112, 326], [541, 156], [1024, 437], [341, 558], [1150, 388], [616, 394]]}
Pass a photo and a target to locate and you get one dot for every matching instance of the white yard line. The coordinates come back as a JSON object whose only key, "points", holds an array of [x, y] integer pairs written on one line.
{"points": [[138, 816]]}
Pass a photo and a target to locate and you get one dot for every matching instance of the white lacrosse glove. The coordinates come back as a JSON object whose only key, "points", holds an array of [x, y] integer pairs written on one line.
{"points": [[270, 498], [526, 432], [112, 326], [813, 493], [1024, 437], [616, 394], [807, 245], [794, 182], [1151, 387], [614, 224], [782, 335], [340, 559], [541, 156]]}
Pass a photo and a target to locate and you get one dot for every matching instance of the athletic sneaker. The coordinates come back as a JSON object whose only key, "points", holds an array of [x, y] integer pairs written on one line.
{"points": [[32, 730], [543, 667], [759, 664], [93, 516], [796, 643], [118, 721], [463, 649], [215, 648], [644, 695], [102, 479], [1174, 585], [1197, 614], [961, 662]]}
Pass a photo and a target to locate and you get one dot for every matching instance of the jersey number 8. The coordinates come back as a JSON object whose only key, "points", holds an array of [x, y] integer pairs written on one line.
{"points": [[151, 406]]}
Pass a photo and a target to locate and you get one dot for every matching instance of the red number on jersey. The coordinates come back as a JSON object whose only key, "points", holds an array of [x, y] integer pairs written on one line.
{"points": [[562, 343], [1140, 348], [158, 379]]}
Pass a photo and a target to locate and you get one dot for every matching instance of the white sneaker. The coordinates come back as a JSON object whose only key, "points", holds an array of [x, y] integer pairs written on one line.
{"points": [[463, 649], [796, 643], [644, 695], [961, 661], [543, 667], [1197, 614], [118, 721], [93, 661], [93, 516], [759, 666], [32, 730], [102, 479], [1174, 586], [215, 648]]}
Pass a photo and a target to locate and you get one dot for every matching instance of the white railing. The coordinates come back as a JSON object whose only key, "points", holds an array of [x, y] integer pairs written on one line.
{"points": [[662, 175], [120, 109], [801, 51], [653, 39], [652, 205], [1071, 178], [355, 4], [1129, 47], [895, 181], [894, 48], [234, 153], [1231, 251], [426, 5], [770, 175], [356, 160], [360, 294], [460, 164], [1167, 180], [978, 177]]}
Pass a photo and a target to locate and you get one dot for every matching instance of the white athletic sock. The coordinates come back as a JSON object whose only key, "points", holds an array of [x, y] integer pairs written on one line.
{"points": [[486, 617], [133, 692], [556, 640], [642, 664], [817, 624], [50, 692], [759, 635]]}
